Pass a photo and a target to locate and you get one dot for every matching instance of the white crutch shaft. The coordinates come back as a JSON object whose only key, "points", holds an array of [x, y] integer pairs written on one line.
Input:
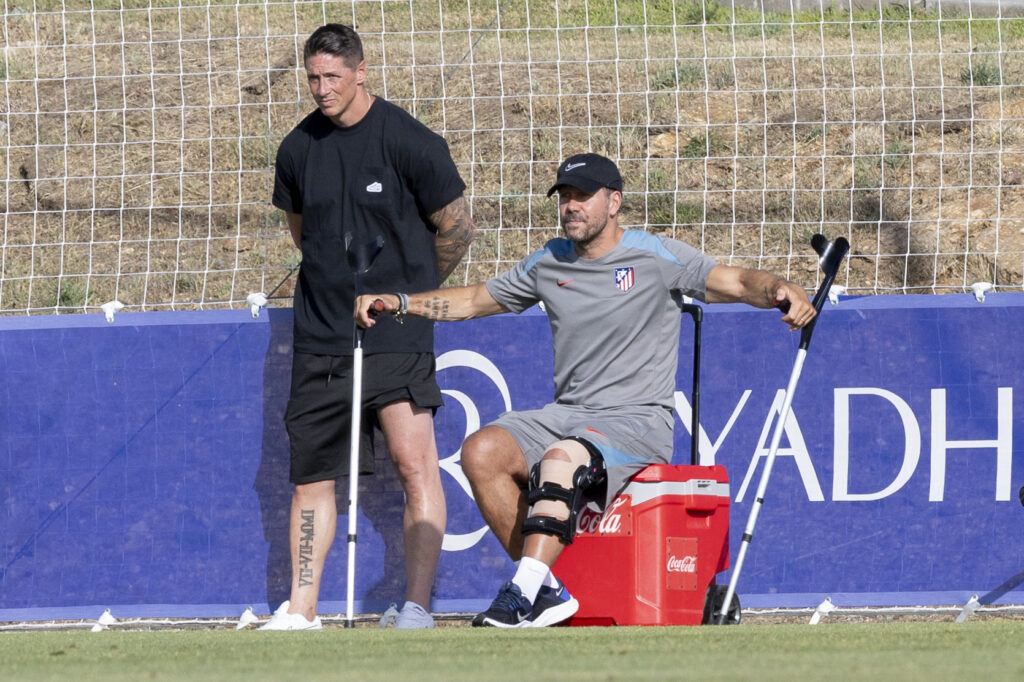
{"points": [[762, 486], [353, 477]]}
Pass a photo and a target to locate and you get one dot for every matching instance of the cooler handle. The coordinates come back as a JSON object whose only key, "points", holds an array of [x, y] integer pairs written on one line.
{"points": [[697, 313]]}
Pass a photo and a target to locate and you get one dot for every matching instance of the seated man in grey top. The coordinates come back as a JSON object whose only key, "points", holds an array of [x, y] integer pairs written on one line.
{"points": [[613, 299]]}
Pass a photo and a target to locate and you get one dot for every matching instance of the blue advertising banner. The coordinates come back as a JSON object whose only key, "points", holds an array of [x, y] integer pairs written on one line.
{"points": [[144, 463]]}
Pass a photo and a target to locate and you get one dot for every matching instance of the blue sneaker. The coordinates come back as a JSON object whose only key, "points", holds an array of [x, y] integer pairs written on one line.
{"points": [[510, 609], [553, 605]]}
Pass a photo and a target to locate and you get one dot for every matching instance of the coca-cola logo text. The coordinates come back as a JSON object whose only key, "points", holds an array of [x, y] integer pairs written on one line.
{"points": [[688, 564], [614, 521]]}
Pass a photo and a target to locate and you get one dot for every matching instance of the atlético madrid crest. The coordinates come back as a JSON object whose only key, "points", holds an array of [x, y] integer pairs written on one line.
{"points": [[624, 278]]}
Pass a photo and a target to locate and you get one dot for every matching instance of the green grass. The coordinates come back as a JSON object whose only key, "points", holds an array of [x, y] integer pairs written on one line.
{"points": [[984, 650], [981, 73]]}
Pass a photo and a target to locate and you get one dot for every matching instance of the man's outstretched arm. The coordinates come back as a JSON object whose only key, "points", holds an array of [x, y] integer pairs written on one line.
{"points": [[761, 289], [444, 305]]}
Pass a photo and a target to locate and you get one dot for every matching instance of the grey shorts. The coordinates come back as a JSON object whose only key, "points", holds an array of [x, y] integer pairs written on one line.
{"points": [[628, 438]]}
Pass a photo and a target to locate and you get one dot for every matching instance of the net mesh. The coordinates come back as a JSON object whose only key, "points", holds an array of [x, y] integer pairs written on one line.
{"points": [[137, 137]]}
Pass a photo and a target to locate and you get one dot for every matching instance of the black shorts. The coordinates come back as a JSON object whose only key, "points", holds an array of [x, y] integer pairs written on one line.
{"points": [[319, 414]]}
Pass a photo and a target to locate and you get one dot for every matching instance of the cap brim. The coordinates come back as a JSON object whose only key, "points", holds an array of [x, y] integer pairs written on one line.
{"points": [[586, 184]]}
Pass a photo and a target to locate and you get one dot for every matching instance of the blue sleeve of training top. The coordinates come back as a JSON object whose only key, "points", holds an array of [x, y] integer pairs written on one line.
{"points": [[516, 289]]}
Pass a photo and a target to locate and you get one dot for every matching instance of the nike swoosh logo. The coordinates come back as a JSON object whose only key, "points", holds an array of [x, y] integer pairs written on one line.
{"points": [[561, 283], [574, 165]]}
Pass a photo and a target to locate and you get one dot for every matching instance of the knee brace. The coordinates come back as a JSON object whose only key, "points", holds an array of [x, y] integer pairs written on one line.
{"points": [[583, 478]]}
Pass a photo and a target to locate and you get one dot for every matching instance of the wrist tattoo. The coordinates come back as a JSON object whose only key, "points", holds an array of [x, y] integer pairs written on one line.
{"points": [[437, 308]]}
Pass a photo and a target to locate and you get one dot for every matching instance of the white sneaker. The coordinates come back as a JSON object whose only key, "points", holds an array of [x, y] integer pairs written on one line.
{"points": [[413, 617], [282, 620]]}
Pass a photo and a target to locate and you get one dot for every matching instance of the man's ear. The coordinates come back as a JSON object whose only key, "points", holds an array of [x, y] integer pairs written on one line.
{"points": [[614, 202]]}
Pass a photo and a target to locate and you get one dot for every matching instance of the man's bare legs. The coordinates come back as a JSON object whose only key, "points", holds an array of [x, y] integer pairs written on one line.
{"points": [[409, 431], [496, 469], [311, 528], [558, 466]]}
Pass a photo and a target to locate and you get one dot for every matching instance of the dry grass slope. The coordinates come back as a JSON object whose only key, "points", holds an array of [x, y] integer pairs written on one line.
{"points": [[138, 144]]}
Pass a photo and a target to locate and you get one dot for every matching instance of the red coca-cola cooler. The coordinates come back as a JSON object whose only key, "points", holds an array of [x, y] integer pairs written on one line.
{"points": [[651, 558]]}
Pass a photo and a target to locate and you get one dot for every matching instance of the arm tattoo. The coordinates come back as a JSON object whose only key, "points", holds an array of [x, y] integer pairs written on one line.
{"points": [[455, 232], [436, 308]]}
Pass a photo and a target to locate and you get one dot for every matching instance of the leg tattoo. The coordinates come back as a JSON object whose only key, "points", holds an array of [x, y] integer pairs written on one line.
{"points": [[306, 549]]}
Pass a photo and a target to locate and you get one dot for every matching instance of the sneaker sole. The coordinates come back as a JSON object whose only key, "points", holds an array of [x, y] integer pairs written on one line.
{"points": [[420, 625], [498, 624], [271, 626], [290, 629], [555, 614]]}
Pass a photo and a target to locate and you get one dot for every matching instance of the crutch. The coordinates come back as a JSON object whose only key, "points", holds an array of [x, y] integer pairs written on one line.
{"points": [[830, 255], [360, 259]]}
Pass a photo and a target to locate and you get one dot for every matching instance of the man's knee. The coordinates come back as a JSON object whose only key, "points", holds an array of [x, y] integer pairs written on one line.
{"points": [[557, 468], [474, 458], [557, 486], [315, 491], [576, 451], [491, 452], [417, 470]]}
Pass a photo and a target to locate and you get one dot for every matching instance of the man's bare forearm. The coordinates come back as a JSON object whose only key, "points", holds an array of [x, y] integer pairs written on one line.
{"points": [[456, 303], [727, 284], [442, 305], [434, 307], [762, 287], [455, 232]]}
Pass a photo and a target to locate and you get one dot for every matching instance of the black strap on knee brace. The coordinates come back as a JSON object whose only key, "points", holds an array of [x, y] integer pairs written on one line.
{"points": [[563, 529], [592, 479], [584, 479]]}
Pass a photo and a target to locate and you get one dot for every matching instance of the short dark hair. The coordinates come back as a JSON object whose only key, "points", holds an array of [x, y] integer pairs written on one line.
{"points": [[337, 40]]}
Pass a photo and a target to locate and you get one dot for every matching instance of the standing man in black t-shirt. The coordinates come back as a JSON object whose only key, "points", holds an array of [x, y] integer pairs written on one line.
{"points": [[360, 168]]}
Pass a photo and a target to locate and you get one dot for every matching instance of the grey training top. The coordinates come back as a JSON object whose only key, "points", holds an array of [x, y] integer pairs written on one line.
{"points": [[615, 319]]}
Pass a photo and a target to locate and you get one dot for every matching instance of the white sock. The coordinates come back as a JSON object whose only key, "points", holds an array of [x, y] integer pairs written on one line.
{"points": [[530, 575], [549, 581]]}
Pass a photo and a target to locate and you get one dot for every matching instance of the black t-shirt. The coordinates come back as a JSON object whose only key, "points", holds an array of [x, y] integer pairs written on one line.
{"points": [[382, 176]]}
